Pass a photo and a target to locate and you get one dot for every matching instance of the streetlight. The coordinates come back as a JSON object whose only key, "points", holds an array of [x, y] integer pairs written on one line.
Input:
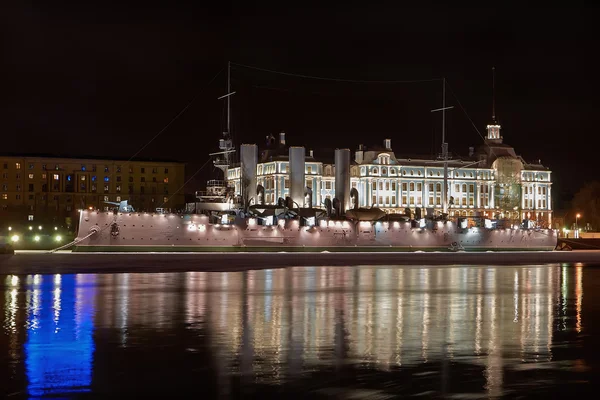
{"points": [[576, 224]]}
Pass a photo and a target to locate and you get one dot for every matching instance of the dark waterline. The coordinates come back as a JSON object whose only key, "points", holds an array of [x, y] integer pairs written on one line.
{"points": [[380, 332]]}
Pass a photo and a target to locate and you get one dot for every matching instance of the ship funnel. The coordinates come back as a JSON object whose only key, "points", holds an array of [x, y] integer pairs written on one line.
{"points": [[296, 168], [249, 160], [342, 179]]}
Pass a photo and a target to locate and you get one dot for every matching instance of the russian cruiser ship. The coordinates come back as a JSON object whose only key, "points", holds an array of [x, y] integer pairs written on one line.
{"points": [[230, 218]]}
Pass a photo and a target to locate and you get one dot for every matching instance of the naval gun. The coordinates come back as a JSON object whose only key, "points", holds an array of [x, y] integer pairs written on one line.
{"points": [[122, 205]]}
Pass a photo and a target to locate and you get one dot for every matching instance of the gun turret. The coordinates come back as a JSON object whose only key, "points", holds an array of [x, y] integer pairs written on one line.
{"points": [[123, 206]]}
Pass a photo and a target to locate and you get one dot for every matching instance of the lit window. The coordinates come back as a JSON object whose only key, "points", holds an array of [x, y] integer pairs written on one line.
{"points": [[30, 217], [106, 168], [18, 165], [44, 176], [56, 177], [166, 180], [30, 166], [94, 178], [83, 167], [165, 199], [30, 176], [118, 198], [83, 178], [105, 198], [106, 179], [4, 196]]}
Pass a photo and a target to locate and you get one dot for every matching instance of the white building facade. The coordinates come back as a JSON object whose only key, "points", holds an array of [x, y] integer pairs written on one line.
{"points": [[492, 182]]}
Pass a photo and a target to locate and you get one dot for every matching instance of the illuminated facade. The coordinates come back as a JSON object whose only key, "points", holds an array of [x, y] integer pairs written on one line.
{"points": [[47, 188], [492, 180]]}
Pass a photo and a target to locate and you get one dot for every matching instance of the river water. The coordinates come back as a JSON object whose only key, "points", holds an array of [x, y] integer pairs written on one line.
{"points": [[305, 332]]}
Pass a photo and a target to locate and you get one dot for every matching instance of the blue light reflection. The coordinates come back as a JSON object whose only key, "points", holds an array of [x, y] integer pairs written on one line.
{"points": [[60, 346]]}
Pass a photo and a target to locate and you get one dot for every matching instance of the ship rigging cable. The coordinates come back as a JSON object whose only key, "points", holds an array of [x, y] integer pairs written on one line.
{"points": [[322, 78], [186, 182]]}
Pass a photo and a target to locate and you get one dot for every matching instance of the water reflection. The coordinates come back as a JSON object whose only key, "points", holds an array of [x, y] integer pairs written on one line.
{"points": [[275, 325]]}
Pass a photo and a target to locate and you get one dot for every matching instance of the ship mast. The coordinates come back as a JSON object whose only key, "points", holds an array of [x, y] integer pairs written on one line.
{"points": [[444, 148], [226, 144]]}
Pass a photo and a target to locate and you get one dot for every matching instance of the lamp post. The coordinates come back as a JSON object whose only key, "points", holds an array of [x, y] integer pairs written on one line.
{"points": [[577, 225]]}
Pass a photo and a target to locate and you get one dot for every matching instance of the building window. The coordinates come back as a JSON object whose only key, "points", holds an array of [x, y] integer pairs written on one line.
{"points": [[44, 176], [419, 187], [106, 168], [142, 189], [94, 188], [105, 198], [387, 186], [5, 175], [393, 185], [154, 170], [309, 169], [374, 200], [18, 188], [380, 185], [143, 170], [18, 165], [4, 196], [118, 198], [131, 179], [328, 185], [387, 199], [166, 170], [393, 200], [18, 197], [55, 176], [30, 197], [286, 183], [106, 179], [118, 189], [55, 198], [83, 177], [30, 176], [404, 187], [130, 189], [143, 179], [431, 187], [412, 200], [153, 179], [105, 188], [165, 199], [131, 170], [118, 169], [5, 187], [412, 187], [5, 165], [82, 187], [31, 187], [404, 200], [166, 180], [83, 167]]}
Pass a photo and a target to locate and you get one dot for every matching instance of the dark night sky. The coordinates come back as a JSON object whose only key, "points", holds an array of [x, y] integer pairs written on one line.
{"points": [[83, 80]]}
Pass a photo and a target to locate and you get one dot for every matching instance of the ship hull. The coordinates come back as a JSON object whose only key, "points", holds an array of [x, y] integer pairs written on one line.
{"points": [[171, 232]]}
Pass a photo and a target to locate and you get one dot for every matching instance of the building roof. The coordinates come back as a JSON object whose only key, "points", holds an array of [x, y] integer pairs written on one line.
{"points": [[88, 157]]}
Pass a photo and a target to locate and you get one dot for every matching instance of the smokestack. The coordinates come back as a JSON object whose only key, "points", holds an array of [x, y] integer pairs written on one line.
{"points": [[387, 143], [471, 151], [342, 178], [249, 160], [282, 138], [359, 155], [296, 171]]}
